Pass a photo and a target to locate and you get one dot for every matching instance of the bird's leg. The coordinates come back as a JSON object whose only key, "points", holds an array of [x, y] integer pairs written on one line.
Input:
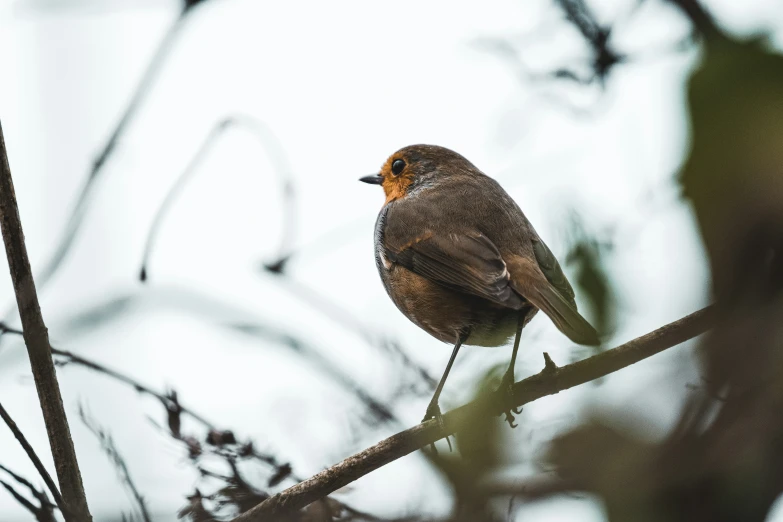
{"points": [[433, 410], [507, 382]]}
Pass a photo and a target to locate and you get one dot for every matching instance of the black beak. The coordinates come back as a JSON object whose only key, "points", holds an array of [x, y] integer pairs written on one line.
{"points": [[372, 179]]}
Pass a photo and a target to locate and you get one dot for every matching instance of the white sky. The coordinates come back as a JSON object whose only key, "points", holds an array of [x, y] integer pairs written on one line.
{"points": [[342, 85]]}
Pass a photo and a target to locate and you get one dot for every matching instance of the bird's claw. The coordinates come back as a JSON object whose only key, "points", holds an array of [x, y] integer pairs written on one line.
{"points": [[510, 417], [433, 412], [507, 384]]}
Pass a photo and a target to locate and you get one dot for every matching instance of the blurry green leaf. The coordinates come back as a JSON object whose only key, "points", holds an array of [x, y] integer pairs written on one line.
{"points": [[734, 174], [478, 445], [586, 256]]}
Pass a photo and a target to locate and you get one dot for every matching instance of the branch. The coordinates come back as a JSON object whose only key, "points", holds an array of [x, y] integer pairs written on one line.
{"points": [[605, 57], [33, 457], [169, 400], [36, 338], [699, 17], [174, 409], [549, 381], [149, 77], [42, 513], [107, 444]]}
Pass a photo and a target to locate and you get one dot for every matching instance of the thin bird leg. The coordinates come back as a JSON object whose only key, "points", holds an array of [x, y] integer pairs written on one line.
{"points": [[508, 379], [433, 410]]}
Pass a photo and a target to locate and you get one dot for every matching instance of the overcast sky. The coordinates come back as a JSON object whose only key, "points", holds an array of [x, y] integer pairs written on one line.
{"points": [[340, 85]]}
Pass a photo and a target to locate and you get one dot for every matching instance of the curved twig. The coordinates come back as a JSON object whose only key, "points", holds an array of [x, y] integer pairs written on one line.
{"points": [[73, 224], [282, 168]]}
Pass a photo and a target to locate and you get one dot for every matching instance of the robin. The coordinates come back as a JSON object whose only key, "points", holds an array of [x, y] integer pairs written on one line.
{"points": [[461, 261]]}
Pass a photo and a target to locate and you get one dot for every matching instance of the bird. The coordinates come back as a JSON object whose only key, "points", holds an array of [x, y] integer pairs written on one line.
{"points": [[459, 259]]}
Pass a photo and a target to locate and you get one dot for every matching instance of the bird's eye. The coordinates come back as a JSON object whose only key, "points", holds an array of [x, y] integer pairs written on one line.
{"points": [[397, 166]]}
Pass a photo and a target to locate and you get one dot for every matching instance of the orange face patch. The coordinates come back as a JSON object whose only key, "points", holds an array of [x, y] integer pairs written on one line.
{"points": [[395, 186]]}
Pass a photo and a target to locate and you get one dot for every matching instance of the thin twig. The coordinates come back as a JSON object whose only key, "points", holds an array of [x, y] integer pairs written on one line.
{"points": [[36, 338], [148, 79], [29, 506], [45, 511], [699, 17], [604, 55], [345, 318], [282, 169], [107, 443], [547, 382], [165, 399], [33, 457], [171, 403], [531, 489]]}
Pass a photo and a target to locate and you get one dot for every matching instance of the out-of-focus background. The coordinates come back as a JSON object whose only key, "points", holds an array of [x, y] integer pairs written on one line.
{"points": [[243, 129]]}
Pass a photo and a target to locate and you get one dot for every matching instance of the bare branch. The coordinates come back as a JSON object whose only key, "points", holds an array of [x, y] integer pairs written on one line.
{"points": [[36, 339], [604, 56], [169, 400], [107, 443], [44, 512], [33, 457], [548, 382], [698, 16], [29, 506], [217, 438], [531, 489]]}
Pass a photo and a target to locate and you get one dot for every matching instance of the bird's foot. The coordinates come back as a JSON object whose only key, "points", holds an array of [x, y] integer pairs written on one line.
{"points": [[433, 412], [506, 386]]}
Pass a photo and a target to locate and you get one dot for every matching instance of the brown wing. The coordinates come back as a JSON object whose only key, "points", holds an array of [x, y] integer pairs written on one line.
{"points": [[467, 262]]}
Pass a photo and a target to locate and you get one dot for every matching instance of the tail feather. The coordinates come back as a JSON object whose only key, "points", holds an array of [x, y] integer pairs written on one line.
{"points": [[565, 317], [529, 281]]}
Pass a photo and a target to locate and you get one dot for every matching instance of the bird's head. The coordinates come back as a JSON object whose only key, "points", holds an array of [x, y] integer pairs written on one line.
{"points": [[417, 167]]}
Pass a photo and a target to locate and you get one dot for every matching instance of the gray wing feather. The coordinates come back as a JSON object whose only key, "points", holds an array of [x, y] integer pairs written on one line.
{"points": [[551, 269]]}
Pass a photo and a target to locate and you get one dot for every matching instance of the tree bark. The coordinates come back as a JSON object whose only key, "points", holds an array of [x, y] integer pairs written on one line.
{"points": [[36, 337]]}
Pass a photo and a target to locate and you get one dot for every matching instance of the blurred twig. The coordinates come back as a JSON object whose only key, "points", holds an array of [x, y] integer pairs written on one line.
{"points": [[169, 400], [347, 320], [33, 457], [148, 79], [220, 439], [605, 57], [107, 443], [598, 36], [698, 16], [277, 263], [44, 512], [282, 169], [223, 315], [36, 338], [549, 381]]}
